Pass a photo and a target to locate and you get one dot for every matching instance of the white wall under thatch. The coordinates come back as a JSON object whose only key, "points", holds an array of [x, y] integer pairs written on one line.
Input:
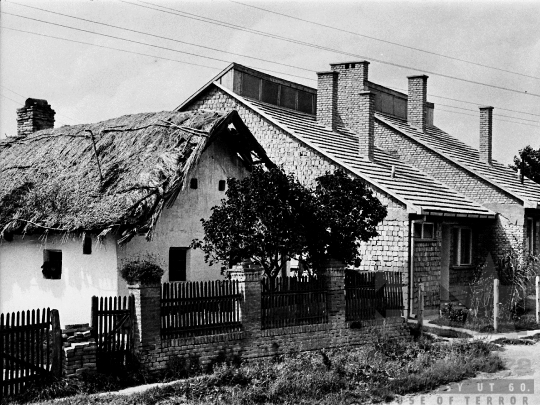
{"points": [[22, 285], [180, 224]]}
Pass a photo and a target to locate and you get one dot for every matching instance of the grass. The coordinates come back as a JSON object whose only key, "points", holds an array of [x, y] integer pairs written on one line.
{"points": [[525, 322], [376, 372]]}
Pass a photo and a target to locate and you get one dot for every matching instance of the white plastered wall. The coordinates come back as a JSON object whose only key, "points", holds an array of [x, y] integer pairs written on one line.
{"points": [[180, 224], [23, 287]]}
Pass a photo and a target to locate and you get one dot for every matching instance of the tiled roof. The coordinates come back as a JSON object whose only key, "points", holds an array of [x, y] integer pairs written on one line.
{"points": [[467, 157], [409, 185]]}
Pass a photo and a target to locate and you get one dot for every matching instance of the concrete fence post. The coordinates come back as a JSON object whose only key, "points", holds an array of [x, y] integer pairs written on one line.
{"points": [[495, 304], [147, 323], [537, 283], [249, 276]]}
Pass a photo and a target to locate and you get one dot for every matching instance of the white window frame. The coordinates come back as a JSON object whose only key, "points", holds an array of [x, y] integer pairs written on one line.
{"points": [[422, 237], [457, 247]]}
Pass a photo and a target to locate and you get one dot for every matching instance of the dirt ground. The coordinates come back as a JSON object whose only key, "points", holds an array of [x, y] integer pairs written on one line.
{"points": [[518, 385]]}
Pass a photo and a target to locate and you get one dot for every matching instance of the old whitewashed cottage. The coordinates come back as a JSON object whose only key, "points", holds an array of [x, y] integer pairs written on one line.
{"points": [[451, 208], [78, 201]]}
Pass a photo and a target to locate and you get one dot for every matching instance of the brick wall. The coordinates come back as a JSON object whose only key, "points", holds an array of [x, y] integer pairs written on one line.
{"points": [[252, 341], [427, 270]]}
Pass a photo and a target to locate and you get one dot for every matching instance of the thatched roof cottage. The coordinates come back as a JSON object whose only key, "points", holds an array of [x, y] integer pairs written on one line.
{"points": [[78, 201]]}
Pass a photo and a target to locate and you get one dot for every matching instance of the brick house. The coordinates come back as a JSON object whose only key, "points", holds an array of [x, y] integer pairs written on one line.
{"points": [[450, 207], [77, 202]]}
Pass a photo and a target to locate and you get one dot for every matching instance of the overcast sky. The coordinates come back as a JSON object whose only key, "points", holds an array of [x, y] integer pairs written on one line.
{"points": [[85, 83]]}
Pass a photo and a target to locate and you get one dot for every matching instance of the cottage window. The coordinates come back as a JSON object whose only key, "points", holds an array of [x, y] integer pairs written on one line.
{"points": [[52, 264], [424, 230], [194, 184], [462, 246], [178, 263], [87, 245], [221, 185], [532, 230]]}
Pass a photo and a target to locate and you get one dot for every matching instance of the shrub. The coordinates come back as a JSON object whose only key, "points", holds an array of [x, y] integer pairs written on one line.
{"points": [[453, 314], [141, 271]]}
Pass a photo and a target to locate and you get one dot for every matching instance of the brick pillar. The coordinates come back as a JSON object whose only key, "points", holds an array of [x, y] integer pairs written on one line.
{"points": [[34, 116], [486, 130], [334, 272], [250, 276], [327, 88], [365, 126], [147, 315], [417, 102]]}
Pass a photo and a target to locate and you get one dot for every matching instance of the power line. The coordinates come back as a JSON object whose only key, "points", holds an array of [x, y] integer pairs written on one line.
{"points": [[383, 40], [499, 115], [184, 14], [136, 42], [162, 37], [476, 116]]}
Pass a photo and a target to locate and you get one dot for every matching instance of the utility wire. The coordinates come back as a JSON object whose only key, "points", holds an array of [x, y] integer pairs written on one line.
{"points": [[476, 116], [215, 49], [383, 40], [162, 37], [172, 11], [498, 115], [136, 42]]}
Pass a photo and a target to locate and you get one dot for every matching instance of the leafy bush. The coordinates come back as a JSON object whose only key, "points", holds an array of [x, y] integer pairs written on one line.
{"points": [[141, 271], [458, 315]]}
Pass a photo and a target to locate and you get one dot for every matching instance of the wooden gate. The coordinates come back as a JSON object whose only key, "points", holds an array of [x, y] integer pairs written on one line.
{"points": [[30, 348], [112, 328]]}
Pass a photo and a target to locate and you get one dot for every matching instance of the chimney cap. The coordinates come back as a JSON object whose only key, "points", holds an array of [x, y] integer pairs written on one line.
{"points": [[327, 72], [350, 62], [35, 101], [485, 107], [417, 76]]}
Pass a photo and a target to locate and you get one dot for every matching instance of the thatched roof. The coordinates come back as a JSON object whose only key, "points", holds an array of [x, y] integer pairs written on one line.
{"points": [[113, 175]]}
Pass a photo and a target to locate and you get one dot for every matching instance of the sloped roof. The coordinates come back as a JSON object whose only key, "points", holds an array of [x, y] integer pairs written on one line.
{"points": [[415, 189], [467, 157], [117, 173]]}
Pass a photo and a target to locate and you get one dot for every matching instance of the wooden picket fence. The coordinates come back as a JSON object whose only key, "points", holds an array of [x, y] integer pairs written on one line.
{"points": [[196, 308], [30, 348], [371, 295], [291, 301], [113, 329]]}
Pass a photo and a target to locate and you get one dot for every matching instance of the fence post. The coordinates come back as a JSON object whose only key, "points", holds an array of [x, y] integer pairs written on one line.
{"points": [[420, 305], [537, 299], [56, 361], [495, 304], [94, 318], [335, 281], [250, 283], [147, 323]]}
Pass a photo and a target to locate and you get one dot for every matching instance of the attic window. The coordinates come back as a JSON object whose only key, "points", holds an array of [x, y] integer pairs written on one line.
{"points": [[194, 184], [87, 245], [424, 230], [221, 185], [52, 264]]}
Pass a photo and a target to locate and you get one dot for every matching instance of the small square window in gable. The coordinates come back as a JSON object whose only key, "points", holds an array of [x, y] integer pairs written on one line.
{"points": [[194, 184], [221, 186], [52, 264]]}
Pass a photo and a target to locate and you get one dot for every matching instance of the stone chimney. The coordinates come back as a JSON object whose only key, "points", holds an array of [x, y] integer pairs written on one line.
{"points": [[486, 130], [34, 116], [417, 102], [343, 99]]}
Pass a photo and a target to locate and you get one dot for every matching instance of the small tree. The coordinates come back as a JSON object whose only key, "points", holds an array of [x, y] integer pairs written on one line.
{"points": [[269, 217], [529, 163]]}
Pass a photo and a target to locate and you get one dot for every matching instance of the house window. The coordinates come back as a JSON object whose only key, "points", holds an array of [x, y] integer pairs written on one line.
{"points": [[424, 230], [531, 235], [87, 245], [221, 185], [462, 246], [194, 184], [52, 264], [178, 263]]}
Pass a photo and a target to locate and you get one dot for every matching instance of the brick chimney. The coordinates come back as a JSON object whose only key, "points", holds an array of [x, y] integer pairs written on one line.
{"points": [[486, 130], [343, 99], [417, 102], [34, 116]]}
